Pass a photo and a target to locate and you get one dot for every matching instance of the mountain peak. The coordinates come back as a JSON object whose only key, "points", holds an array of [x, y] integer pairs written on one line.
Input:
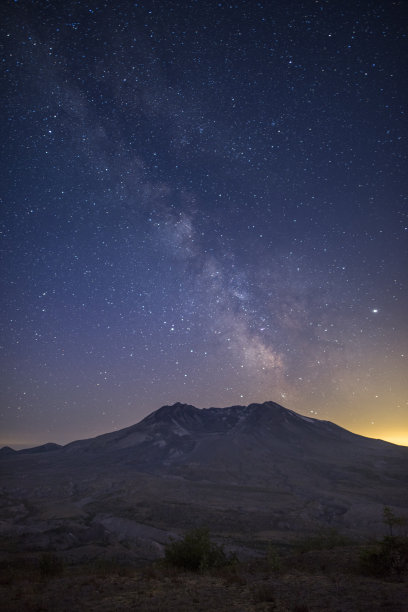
{"points": [[170, 411], [191, 417], [7, 450]]}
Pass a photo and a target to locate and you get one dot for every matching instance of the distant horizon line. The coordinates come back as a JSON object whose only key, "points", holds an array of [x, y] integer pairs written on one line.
{"points": [[398, 440]]}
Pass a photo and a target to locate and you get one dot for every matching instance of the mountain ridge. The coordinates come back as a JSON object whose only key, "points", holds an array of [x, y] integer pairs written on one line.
{"points": [[191, 419], [241, 469]]}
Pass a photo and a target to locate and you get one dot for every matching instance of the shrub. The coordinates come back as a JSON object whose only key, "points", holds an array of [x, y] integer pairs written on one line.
{"points": [[390, 519], [195, 552], [387, 558]]}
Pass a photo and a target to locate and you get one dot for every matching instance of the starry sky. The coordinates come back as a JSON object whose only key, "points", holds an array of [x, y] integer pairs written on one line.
{"points": [[204, 202]]}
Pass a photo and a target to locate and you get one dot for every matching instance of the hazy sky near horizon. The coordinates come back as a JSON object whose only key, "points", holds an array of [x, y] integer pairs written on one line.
{"points": [[203, 202]]}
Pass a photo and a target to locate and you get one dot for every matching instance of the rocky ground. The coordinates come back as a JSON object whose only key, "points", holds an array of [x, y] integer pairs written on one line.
{"points": [[297, 581]]}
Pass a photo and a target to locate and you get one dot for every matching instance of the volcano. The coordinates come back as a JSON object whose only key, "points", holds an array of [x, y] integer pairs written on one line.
{"points": [[241, 470]]}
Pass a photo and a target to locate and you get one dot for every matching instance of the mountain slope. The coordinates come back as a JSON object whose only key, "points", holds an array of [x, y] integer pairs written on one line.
{"points": [[247, 469], [243, 438]]}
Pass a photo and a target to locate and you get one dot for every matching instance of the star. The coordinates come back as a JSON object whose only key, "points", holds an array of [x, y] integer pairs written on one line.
{"points": [[209, 210]]}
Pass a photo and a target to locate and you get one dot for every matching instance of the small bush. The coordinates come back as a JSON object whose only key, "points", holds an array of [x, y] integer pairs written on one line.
{"points": [[195, 552], [393, 521], [50, 565], [387, 558]]}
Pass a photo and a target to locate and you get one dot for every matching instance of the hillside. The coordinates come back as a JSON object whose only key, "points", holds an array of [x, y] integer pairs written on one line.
{"points": [[251, 473]]}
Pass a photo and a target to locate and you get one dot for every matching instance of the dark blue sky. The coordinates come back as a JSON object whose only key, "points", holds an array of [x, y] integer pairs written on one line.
{"points": [[203, 202]]}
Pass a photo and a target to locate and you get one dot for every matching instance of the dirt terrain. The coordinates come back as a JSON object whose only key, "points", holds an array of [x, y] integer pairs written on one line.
{"points": [[316, 580]]}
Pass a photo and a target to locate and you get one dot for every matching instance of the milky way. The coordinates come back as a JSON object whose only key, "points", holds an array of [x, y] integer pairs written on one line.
{"points": [[203, 202]]}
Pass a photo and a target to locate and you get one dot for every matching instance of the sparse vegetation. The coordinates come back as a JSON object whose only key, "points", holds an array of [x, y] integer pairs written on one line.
{"points": [[253, 585], [391, 520], [263, 592], [388, 558], [196, 552], [323, 540]]}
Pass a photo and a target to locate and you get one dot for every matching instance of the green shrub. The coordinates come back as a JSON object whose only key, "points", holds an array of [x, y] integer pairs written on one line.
{"points": [[386, 558], [195, 552]]}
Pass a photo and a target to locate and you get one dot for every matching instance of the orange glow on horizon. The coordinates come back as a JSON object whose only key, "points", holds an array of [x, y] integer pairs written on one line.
{"points": [[401, 439]]}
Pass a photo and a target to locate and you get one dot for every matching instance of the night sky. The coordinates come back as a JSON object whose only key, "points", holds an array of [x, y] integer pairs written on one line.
{"points": [[204, 202]]}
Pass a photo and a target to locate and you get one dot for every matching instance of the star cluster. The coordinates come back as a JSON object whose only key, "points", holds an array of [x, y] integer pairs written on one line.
{"points": [[203, 202]]}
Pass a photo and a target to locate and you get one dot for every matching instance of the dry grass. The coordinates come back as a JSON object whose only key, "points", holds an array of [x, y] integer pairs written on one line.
{"points": [[305, 582]]}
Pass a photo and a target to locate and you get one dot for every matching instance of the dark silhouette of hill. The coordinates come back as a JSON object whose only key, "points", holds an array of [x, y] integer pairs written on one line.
{"points": [[180, 433], [44, 448]]}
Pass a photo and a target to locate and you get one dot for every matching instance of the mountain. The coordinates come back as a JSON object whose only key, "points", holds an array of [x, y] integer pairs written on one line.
{"points": [[241, 470], [177, 433], [255, 443], [44, 448], [7, 450], [258, 444]]}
